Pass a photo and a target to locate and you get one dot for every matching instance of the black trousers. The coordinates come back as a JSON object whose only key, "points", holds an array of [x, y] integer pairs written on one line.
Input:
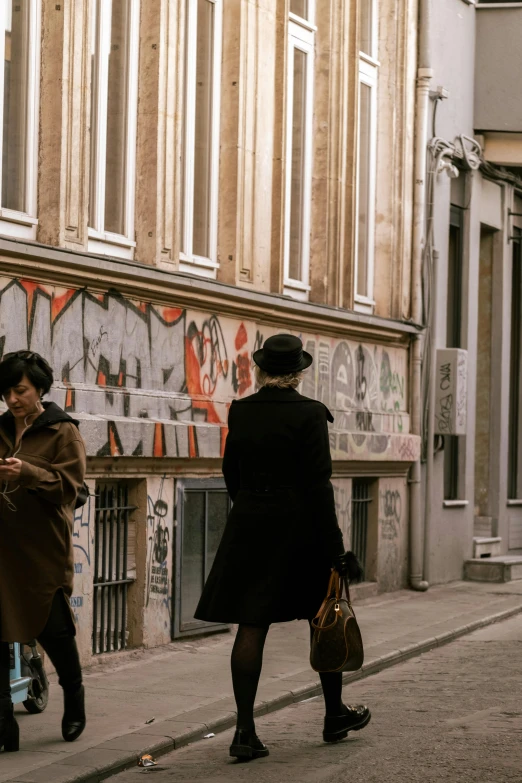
{"points": [[58, 641]]}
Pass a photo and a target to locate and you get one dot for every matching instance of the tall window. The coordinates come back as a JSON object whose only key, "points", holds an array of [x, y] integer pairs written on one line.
{"points": [[114, 82], [19, 79], [203, 20], [515, 420], [299, 127], [366, 154], [453, 339]]}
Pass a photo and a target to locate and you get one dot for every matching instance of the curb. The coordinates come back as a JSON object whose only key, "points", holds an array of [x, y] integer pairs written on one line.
{"points": [[121, 753]]}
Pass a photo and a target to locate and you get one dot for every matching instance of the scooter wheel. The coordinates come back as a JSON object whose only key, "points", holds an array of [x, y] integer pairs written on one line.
{"points": [[38, 701]]}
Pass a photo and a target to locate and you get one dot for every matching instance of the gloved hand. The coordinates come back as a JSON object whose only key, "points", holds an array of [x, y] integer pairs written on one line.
{"points": [[348, 566]]}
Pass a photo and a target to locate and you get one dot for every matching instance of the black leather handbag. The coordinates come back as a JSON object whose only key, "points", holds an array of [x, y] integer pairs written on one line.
{"points": [[337, 643]]}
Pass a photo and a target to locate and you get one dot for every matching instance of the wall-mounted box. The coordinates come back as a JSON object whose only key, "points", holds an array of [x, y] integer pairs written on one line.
{"points": [[451, 391]]}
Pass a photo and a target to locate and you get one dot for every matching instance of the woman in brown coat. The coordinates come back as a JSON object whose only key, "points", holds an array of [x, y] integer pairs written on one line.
{"points": [[42, 466], [282, 536]]}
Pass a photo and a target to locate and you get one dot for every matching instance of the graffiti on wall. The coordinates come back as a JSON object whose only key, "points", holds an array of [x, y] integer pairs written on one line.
{"points": [[390, 516], [82, 536], [161, 378], [365, 387], [343, 507], [82, 548], [393, 545], [158, 549]]}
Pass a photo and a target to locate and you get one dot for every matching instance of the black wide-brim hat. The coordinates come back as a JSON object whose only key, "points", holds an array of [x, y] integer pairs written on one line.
{"points": [[282, 354]]}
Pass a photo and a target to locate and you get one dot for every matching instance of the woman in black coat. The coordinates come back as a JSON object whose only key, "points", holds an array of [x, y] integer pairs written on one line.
{"points": [[282, 537]]}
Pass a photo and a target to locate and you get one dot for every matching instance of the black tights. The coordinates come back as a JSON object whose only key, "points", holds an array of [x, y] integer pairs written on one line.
{"points": [[247, 660], [58, 641]]}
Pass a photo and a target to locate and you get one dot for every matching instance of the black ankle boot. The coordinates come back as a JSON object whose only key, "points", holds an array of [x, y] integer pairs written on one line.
{"points": [[247, 745], [73, 721], [336, 727], [9, 730]]}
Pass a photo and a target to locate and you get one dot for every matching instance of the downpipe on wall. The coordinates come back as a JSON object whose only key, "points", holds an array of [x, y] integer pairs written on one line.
{"points": [[430, 436], [424, 76]]}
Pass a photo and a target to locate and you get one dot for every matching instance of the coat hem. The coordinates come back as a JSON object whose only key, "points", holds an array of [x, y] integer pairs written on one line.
{"points": [[252, 620]]}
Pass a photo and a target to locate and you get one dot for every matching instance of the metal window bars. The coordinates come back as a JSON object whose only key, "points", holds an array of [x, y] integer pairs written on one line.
{"points": [[360, 502], [111, 578]]}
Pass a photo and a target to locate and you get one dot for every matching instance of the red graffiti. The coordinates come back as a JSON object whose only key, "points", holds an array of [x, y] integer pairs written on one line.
{"points": [[159, 441], [241, 337], [30, 289], [59, 302], [114, 445], [172, 314], [195, 385], [242, 379]]}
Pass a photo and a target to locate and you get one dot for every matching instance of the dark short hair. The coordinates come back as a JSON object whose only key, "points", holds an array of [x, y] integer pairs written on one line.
{"points": [[15, 365]]}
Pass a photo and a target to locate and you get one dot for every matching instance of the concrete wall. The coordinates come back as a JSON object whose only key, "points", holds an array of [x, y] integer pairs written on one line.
{"points": [[481, 508], [498, 68], [151, 598], [453, 59], [452, 41], [151, 542], [155, 381], [391, 505], [81, 600]]}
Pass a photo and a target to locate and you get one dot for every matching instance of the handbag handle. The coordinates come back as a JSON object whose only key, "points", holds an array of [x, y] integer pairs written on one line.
{"points": [[344, 582], [335, 585]]}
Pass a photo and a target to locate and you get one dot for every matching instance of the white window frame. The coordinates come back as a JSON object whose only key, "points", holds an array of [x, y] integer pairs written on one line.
{"points": [[368, 75], [189, 262], [101, 241], [301, 36], [12, 222]]}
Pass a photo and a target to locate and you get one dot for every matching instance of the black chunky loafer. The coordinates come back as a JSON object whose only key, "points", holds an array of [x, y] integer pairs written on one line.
{"points": [[337, 727], [73, 721], [247, 745]]}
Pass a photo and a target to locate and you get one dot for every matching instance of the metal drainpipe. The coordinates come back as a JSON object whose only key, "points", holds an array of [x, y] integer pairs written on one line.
{"points": [[431, 421], [424, 75]]}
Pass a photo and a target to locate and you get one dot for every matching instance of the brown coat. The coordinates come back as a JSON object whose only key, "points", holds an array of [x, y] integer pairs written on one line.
{"points": [[36, 550]]}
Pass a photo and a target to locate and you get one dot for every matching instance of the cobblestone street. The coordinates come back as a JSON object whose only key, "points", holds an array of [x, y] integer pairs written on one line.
{"points": [[453, 714]]}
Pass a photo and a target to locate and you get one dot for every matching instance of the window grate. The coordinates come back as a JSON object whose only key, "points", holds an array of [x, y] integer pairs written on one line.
{"points": [[360, 503], [111, 567]]}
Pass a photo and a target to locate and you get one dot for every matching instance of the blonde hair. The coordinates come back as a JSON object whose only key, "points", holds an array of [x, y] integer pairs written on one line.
{"points": [[289, 381]]}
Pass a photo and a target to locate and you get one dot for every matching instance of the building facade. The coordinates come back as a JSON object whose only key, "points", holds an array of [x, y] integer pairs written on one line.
{"points": [[473, 281], [179, 181]]}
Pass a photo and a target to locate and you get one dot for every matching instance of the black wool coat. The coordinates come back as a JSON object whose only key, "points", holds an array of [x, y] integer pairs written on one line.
{"points": [[275, 555]]}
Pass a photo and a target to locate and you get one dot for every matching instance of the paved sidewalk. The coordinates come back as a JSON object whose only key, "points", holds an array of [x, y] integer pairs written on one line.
{"points": [[186, 686]]}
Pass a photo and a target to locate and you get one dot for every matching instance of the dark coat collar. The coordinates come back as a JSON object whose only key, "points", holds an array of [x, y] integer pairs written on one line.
{"points": [[273, 394], [51, 415]]}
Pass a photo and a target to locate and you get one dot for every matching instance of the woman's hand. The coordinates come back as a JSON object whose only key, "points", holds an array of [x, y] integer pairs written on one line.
{"points": [[348, 566], [10, 469]]}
